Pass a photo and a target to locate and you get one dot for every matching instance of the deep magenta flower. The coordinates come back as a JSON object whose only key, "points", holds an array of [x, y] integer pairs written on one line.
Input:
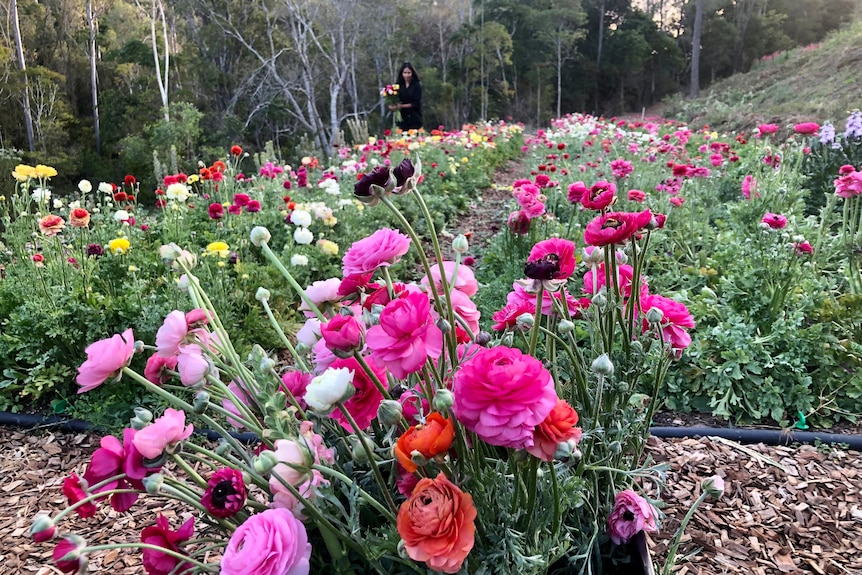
{"points": [[507, 317], [807, 128], [225, 493], [600, 195], [216, 211], [502, 394], [631, 515], [161, 535], [576, 192], [114, 458], [343, 334], [383, 248], [74, 492], [406, 335], [551, 259], [241, 200], [615, 227], [774, 221], [363, 404], [105, 360], [296, 382], [63, 548], [156, 369], [675, 321]]}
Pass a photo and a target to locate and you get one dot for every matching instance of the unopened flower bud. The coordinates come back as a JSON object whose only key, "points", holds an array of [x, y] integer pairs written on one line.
{"points": [[599, 300], [154, 483], [508, 339], [346, 311], [389, 412], [183, 283], [564, 450], [302, 348], [42, 529], [444, 325], [202, 401], [223, 448], [714, 486], [264, 462], [139, 346], [357, 450], [266, 364], [262, 294], [565, 326], [708, 293], [141, 419], [259, 235], [603, 365], [417, 458], [654, 315], [402, 550], [615, 447], [460, 244], [525, 320], [483, 338], [595, 257], [443, 400]]}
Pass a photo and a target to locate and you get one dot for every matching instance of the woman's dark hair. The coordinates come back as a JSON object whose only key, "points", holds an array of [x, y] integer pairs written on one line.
{"points": [[401, 69]]}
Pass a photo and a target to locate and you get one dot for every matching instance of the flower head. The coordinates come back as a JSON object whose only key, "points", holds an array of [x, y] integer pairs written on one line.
{"points": [[225, 493], [273, 542], [429, 439], [437, 524], [631, 515], [51, 225], [119, 246], [161, 535], [558, 427], [502, 394], [383, 248], [167, 430], [79, 218], [406, 335], [552, 259], [105, 360], [67, 554], [774, 221]]}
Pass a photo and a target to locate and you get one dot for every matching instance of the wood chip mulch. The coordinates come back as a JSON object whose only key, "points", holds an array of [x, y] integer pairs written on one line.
{"points": [[785, 509]]}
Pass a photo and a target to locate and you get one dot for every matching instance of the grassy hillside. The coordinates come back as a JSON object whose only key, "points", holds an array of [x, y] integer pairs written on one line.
{"points": [[814, 83]]}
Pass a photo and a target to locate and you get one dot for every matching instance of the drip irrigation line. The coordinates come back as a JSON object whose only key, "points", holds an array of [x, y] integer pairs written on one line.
{"points": [[745, 436]]}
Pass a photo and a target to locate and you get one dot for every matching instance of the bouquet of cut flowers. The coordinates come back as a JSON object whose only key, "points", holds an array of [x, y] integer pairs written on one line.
{"points": [[393, 434], [390, 97]]}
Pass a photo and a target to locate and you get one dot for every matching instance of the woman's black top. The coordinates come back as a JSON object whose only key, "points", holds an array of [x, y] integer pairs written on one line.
{"points": [[411, 118]]}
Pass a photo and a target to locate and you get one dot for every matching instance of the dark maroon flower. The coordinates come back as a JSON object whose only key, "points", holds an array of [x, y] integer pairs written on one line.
{"points": [[160, 535], [95, 250], [379, 176], [225, 494], [403, 172]]}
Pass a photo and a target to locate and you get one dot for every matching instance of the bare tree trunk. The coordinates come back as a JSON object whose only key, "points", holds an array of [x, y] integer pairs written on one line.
{"points": [[694, 89], [158, 11], [559, 75], [28, 118], [91, 21], [601, 10]]}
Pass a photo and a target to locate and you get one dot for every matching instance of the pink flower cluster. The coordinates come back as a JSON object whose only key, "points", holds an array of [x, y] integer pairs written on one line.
{"points": [[849, 182]]}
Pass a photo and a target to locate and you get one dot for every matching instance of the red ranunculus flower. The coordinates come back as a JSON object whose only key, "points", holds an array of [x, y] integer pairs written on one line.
{"points": [[74, 492]]}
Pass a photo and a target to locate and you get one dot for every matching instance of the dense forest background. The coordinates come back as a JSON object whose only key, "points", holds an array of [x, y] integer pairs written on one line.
{"points": [[102, 88]]}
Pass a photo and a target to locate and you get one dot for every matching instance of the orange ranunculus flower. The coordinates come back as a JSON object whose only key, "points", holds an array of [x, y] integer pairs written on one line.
{"points": [[431, 438], [558, 427], [79, 218], [437, 524], [51, 225], [218, 166]]}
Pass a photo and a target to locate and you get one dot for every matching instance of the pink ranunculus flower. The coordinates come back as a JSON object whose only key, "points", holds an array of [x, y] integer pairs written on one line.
{"points": [[295, 458], [105, 360], [849, 183], [507, 317], [171, 334], [296, 382], [636, 196], [594, 280], [323, 294], [806, 128], [381, 249], [363, 404], [192, 365], [600, 195], [343, 334], [615, 227], [114, 458], [309, 333], [406, 335], [464, 308], [502, 394], [675, 321], [631, 515], [774, 221], [749, 186], [551, 259], [157, 366], [168, 429], [463, 280], [272, 542]]}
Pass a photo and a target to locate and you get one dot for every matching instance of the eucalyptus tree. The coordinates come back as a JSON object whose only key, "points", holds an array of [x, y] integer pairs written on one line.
{"points": [[22, 64]]}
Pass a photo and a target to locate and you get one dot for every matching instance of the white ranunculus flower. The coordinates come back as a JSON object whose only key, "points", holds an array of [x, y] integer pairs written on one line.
{"points": [[40, 195], [106, 188], [85, 186], [178, 192], [121, 215], [58, 203], [298, 260], [330, 186], [300, 218], [327, 389], [302, 236], [322, 212]]}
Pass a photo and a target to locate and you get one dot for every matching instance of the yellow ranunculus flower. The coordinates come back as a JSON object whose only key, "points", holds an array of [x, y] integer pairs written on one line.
{"points": [[24, 172], [328, 247], [43, 171], [119, 246], [220, 249], [194, 178]]}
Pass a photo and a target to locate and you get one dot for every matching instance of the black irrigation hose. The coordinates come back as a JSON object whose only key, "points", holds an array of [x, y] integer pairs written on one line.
{"points": [[766, 436]]}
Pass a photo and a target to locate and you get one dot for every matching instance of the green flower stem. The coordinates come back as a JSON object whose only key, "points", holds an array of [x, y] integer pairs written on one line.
{"points": [[256, 478], [373, 462], [93, 497], [290, 397], [577, 362], [174, 400], [558, 512], [196, 477], [209, 567], [537, 322], [362, 493], [299, 361], [671, 553], [532, 490], [246, 417], [371, 375], [270, 255]]}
